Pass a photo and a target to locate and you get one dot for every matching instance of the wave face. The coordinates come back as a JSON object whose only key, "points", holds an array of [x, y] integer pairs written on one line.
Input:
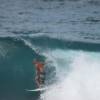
{"points": [[16, 70]]}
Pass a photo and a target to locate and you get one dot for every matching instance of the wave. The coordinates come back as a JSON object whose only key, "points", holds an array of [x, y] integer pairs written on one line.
{"points": [[44, 42], [71, 66], [64, 44]]}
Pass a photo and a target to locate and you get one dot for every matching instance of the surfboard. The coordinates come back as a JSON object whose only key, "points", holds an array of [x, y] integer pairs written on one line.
{"points": [[36, 90]]}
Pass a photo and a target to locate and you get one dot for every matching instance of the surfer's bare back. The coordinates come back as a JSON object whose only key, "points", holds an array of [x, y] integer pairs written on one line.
{"points": [[39, 66]]}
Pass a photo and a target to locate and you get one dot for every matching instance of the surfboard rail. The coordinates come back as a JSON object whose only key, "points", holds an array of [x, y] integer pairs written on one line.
{"points": [[37, 89]]}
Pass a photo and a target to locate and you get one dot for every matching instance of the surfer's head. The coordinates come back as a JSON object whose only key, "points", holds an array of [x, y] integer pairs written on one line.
{"points": [[34, 61]]}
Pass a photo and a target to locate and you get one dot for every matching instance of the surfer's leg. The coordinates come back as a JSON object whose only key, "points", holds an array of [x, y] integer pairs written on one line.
{"points": [[37, 79], [42, 77]]}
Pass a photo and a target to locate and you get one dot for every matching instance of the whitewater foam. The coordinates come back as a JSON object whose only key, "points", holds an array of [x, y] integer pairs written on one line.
{"points": [[81, 82]]}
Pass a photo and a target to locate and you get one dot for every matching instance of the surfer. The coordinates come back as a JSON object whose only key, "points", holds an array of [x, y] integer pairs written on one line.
{"points": [[39, 66]]}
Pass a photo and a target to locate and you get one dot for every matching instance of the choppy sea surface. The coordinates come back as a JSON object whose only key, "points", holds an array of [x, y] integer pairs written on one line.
{"points": [[65, 34]]}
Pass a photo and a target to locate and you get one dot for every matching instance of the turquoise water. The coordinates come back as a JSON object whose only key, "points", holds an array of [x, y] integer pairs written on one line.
{"points": [[16, 70]]}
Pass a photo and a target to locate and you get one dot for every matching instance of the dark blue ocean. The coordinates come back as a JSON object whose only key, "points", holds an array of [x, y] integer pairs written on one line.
{"points": [[63, 33]]}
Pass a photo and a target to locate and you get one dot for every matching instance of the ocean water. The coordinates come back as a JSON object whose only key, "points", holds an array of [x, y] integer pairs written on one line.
{"points": [[65, 34]]}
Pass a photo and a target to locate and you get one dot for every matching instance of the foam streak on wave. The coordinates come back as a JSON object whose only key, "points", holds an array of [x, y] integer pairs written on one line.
{"points": [[82, 82]]}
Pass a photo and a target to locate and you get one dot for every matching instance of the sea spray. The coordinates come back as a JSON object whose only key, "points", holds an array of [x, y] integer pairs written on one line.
{"points": [[81, 83]]}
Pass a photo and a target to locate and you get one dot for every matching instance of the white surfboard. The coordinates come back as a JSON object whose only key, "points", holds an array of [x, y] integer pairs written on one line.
{"points": [[36, 90]]}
